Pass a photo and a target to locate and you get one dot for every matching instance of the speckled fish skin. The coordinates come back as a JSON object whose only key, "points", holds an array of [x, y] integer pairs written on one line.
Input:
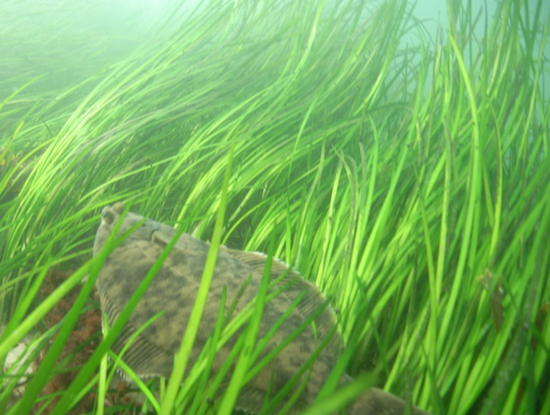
{"points": [[174, 290]]}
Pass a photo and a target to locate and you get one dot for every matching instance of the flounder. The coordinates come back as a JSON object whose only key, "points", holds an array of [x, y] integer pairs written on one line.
{"points": [[174, 289]]}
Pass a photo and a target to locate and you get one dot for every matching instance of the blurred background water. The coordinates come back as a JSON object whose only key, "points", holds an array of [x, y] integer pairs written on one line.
{"points": [[64, 41]]}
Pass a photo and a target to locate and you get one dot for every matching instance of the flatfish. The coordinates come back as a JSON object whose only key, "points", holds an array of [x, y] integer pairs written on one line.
{"points": [[173, 292]]}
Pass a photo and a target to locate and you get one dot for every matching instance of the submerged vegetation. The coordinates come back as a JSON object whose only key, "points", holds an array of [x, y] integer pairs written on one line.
{"points": [[410, 183]]}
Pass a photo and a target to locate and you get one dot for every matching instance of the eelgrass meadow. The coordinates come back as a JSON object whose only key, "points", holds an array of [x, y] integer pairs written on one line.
{"points": [[410, 183]]}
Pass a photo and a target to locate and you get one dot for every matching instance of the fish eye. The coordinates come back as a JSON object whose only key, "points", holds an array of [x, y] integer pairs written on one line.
{"points": [[108, 216], [118, 207]]}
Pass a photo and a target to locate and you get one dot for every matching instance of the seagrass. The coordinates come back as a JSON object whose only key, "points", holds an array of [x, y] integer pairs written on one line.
{"points": [[173, 292]]}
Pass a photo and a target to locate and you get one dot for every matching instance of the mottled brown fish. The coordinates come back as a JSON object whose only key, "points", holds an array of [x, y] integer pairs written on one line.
{"points": [[174, 290]]}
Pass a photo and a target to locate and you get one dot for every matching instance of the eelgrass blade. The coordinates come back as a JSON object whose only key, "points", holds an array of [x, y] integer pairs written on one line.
{"points": [[246, 357], [86, 372], [24, 405], [211, 355], [392, 230], [181, 358], [346, 394]]}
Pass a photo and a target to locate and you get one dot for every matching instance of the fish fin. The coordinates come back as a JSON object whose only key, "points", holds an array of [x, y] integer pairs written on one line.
{"points": [[141, 355], [251, 400]]}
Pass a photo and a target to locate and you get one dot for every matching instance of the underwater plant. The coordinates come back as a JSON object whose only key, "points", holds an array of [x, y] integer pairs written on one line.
{"points": [[409, 183]]}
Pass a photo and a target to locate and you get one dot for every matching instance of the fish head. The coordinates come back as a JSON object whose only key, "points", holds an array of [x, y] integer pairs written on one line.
{"points": [[111, 215]]}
